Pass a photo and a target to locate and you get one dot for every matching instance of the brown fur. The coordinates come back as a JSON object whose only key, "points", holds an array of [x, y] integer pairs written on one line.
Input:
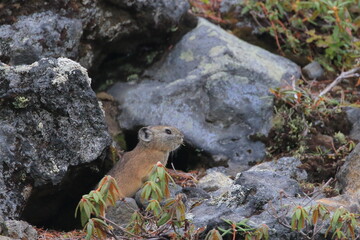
{"points": [[155, 144]]}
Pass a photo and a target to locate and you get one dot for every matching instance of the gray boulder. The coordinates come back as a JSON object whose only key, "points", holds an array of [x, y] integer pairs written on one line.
{"points": [[285, 166], [349, 174], [161, 13], [313, 70], [90, 31], [353, 115], [248, 197], [52, 134], [122, 211], [40, 35], [214, 182], [212, 86], [21, 230]]}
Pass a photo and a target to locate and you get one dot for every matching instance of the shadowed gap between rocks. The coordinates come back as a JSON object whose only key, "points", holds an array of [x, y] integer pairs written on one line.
{"points": [[53, 207]]}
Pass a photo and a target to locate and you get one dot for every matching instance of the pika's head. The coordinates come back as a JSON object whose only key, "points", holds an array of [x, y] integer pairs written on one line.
{"points": [[162, 138]]}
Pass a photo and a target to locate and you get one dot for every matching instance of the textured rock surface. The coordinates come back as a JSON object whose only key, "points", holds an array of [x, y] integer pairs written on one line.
{"points": [[3, 228], [212, 86], [122, 211], [353, 114], [285, 166], [214, 180], [283, 209], [266, 185], [6, 238], [227, 6], [313, 70], [161, 13], [40, 35], [94, 33], [52, 133], [348, 200], [247, 198], [349, 174], [21, 230]]}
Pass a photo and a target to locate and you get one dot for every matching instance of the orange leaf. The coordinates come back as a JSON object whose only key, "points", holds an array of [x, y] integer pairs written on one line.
{"points": [[358, 82]]}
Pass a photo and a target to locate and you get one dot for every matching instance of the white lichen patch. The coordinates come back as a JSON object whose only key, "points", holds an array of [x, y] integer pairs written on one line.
{"points": [[108, 14], [26, 192], [189, 216], [176, 82], [212, 33], [215, 51], [24, 68], [232, 198], [208, 67], [40, 126], [66, 66], [54, 167], [101, 107], [187, 56], [192, 77], [59, 79], [192, 37]]}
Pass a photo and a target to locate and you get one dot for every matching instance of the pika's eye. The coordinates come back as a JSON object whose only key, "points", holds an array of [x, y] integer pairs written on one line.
{"points": [[168, 131]]}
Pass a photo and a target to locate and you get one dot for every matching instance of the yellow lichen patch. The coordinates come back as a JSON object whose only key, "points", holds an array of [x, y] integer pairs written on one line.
{"points": [[192, 38], [215, 51], [187, 56]]}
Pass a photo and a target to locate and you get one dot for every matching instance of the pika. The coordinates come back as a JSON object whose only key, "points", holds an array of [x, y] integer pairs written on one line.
{"points": [[155, 144]]}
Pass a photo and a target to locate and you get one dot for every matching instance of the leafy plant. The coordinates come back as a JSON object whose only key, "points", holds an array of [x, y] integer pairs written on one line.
{"points": [[242, 229], [213, 235], [343, 224], [207, 8], [311, 222], [299, 116], [161, 215], [298, 219], [93, 205], [324, 30], [21, 102]]}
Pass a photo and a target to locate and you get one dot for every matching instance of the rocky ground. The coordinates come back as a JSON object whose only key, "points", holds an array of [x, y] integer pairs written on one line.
{"points": [[78, 78]]}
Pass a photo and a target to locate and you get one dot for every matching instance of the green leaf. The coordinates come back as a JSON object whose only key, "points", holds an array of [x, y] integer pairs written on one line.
{"points": [[102, 222], [335, 217], [213, 235], [293, 222], [86, 208], [89, 229], [84, 219], [101, 198], [161, 173], [164, 219], [224, 231], [298, 213], [146, 191], [95, 210], [96, 196], [77, 209]]}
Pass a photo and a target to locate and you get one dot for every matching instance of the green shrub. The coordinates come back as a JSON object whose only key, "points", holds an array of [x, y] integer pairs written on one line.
{"points": [[324, 30]]}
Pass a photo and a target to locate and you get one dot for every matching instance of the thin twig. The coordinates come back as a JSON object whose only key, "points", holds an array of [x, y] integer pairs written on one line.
{"points": [[172, 165], [282, 220], [119, 227], [349, 74], [317, 192], [113, 234]]}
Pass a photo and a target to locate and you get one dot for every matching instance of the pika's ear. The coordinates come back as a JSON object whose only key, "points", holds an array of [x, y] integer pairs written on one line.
{"points": [[145, 134]]}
